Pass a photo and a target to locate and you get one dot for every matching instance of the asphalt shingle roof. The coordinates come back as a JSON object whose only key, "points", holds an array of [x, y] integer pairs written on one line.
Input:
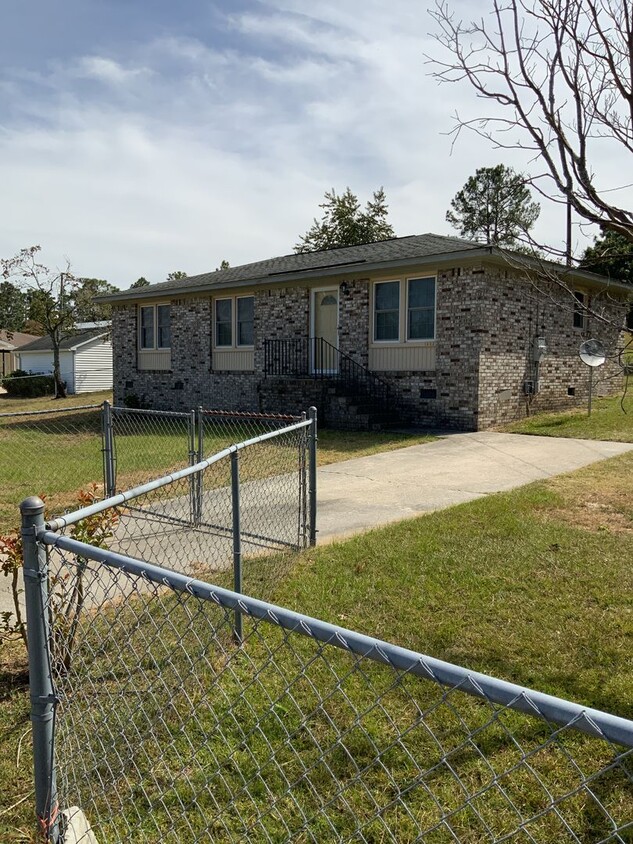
{"points": [[383, 251], [45, 344]]}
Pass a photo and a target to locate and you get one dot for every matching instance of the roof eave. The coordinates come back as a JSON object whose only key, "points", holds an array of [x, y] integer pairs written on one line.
{"points": [[479, 252], [520, 261]]}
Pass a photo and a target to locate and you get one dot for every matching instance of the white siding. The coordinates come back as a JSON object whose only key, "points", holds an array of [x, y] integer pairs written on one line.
{"points": [[93, 366], [42, 363], [154, 359], [402, 358], [239, 360]]}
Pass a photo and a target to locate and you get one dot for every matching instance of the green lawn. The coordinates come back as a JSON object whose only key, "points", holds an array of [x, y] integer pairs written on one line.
{"points": [[532, 585], [611, 419]]}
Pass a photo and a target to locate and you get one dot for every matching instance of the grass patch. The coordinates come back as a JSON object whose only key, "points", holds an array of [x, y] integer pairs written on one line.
{"points": [[16, 772], [530, 585], [9, 404], [611, 419], [527, 585], [335, 446]]}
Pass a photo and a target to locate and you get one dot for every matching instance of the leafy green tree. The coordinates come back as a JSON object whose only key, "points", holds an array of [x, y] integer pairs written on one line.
{"points": [[176, 275], [86, 309], [611, 255], [224, 264], [140, 282], [494, 206], [345, 224], [13, 307]]}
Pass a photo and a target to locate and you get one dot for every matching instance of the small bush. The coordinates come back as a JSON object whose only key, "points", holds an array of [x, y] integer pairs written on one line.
{"points": [[21, 384]]}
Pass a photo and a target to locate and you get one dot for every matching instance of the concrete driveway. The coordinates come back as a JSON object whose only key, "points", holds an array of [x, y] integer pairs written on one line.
{"points": [[369, 491]]}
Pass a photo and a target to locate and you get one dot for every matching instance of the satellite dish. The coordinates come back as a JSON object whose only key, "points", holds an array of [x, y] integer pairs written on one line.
{"points": [[593, 353]]}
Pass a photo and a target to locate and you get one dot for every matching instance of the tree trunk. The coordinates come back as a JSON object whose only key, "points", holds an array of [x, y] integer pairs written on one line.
{"points": [[60, 386]]}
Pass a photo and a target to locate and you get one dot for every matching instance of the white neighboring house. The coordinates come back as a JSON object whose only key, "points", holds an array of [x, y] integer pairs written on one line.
{"points": [[85, 359]]}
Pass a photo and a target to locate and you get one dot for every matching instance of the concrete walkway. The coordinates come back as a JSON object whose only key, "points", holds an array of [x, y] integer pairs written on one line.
{"points": [[367, 492]]}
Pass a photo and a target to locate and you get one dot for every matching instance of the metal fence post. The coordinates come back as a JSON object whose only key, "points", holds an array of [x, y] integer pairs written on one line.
{"points": [[237, 540], [303, 485], [199, 459], [192, 462], [107, 434], [312, 473], [40, 679]]}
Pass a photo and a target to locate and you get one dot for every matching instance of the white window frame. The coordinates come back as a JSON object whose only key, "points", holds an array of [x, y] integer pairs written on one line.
{"points": [[154, 308], [375, 286], [403, 313], [407, 283], [234, 333]]}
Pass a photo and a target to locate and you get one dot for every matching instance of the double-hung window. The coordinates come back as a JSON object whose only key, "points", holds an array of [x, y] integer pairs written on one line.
{"points": [[404, 310], [234, 322], [387, 311], [154, 327], [420, 309]]}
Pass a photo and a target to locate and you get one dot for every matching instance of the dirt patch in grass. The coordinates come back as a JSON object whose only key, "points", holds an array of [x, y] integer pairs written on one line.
{"points": [[596, 498]]}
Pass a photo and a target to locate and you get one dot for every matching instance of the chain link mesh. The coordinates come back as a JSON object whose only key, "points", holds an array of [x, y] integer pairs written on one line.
{"points": [[148, 444], [66, 446], [168, 731], [47, 440], [187, 524]]}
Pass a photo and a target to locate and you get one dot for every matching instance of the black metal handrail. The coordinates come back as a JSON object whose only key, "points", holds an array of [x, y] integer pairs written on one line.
{"points": [[316, 358]]}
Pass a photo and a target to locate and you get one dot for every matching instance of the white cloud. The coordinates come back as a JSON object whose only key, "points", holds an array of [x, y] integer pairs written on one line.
{"points": [[107, 71], [196, 149]]}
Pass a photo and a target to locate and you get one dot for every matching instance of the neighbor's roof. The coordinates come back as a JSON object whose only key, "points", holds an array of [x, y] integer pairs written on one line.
{"points": [[382, 254], [68, 344], [18, 339]]}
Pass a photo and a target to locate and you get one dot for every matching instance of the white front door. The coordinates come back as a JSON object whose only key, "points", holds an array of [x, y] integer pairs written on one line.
{"points": [[325, 329]]}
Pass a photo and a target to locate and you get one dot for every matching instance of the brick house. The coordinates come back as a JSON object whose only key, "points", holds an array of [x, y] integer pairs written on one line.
{"points": [[434, 330]]}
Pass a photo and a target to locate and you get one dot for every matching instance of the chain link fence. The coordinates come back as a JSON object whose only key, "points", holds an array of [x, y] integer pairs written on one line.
{"points": [[157, 725], [56, 451], [224, 514], [96, 447]]}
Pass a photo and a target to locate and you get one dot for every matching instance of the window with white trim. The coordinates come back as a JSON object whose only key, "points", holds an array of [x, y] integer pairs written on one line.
{"points": [[154, 327], [234, 322], [421, 308], [404, 310], [387, 311]]}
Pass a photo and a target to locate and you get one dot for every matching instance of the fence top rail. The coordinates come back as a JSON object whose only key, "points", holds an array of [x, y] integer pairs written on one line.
{"points": [[52, 410], [137, 411], [245, 414], [116, 500], [549, 708]]}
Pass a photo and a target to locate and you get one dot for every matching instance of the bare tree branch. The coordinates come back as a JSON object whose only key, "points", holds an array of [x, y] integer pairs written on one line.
{"points": [[563, 70]]}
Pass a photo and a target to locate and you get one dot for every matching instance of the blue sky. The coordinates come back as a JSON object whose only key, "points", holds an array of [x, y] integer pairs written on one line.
{"points": [[138, 138]]}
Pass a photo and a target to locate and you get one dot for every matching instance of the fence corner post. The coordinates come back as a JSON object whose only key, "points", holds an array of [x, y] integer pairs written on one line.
{"points": [[40, 679], [109, 475], [237, 540], [312, 474]]}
